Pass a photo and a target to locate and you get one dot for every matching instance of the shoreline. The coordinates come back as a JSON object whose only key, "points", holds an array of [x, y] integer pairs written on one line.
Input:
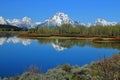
{"points": [[70, 36]]}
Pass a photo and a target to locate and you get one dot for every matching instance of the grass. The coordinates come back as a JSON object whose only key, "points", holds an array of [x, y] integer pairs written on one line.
{"points": [[107, 69]]}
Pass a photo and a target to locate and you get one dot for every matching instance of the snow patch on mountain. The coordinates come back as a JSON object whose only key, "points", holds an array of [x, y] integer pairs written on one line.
{"points": [[25, 22], [57, 20], [103, 22], [3, 21]]}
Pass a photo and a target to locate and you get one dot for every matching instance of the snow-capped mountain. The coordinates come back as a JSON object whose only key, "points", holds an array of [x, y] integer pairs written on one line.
{"points": [[25, 22], [2, 20], [103, 22], [57, 20]]}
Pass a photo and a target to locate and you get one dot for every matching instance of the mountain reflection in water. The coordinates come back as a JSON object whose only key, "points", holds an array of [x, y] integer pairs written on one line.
{"points": [[60, 44], [14, 40]]}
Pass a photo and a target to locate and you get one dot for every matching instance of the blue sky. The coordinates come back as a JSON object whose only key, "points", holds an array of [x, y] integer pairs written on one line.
{"points": [[83, 10]]}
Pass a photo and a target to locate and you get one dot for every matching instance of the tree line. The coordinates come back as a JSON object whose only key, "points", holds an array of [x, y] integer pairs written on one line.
{"points": [[11, 28], [68, 29], [79, 30]]}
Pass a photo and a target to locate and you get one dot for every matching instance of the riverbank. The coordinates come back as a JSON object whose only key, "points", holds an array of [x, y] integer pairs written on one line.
{"points": [[107, 69], [10, 33], [70, 36], [24, 34]]}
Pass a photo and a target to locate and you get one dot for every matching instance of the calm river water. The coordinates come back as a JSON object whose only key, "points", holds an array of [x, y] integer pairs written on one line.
{"points": [[17, 54]]}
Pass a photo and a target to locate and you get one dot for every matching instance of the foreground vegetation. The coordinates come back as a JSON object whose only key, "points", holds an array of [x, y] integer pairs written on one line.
{"points": [[107, 69]]}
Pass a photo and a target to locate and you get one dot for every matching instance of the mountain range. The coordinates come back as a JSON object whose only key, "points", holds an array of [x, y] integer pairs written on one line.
{"points": [[56, 20]]}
